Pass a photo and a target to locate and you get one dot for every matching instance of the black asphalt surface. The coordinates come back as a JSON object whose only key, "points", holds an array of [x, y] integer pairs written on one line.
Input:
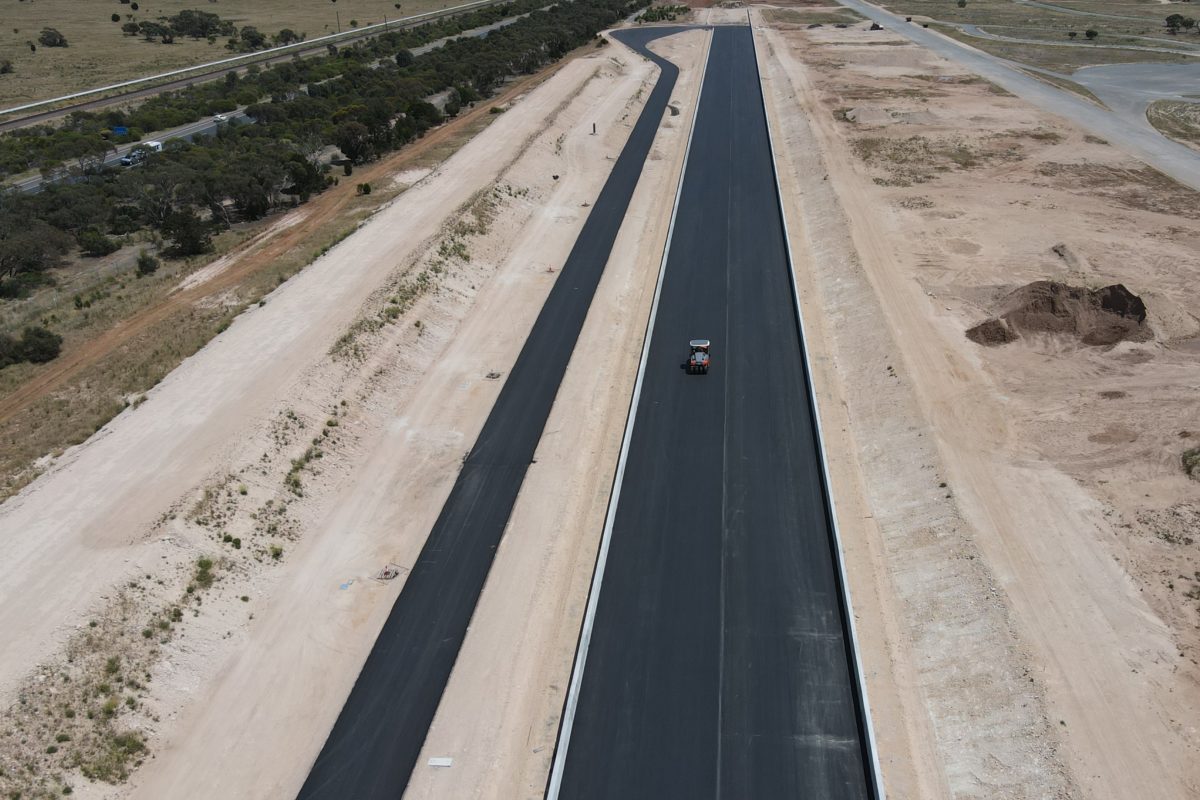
{"points": [[378, 736], [719, 664]]}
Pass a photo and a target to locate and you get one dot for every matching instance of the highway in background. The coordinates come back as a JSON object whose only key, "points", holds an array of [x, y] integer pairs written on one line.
{"points": [[720, 662], [209, 125], [317, 46], [377, 738]]}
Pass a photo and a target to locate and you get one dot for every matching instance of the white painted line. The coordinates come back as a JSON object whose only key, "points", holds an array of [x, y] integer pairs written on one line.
{"points": [[812, 397], [589, 617], [259, 54]]}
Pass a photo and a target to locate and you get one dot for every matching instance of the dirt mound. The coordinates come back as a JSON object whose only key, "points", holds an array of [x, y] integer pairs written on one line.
{"points": [[992, 332], [1099, 317]]}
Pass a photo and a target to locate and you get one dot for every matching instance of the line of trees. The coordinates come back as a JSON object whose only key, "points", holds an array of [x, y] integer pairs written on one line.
{"points": [[84, 138], [204, 25], [368, 106]]}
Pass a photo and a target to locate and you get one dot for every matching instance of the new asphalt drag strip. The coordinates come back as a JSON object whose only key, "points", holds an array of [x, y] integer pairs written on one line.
{"points": [[720, 663], [377, 738]]}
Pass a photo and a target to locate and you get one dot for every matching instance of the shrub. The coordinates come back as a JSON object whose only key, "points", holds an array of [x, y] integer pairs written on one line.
{"points": [[189, 234], [95, 244], [39, 345], [50, 37], [1191, 462], [146, 264], [116, 17], [1091, 33], [204, 576]]}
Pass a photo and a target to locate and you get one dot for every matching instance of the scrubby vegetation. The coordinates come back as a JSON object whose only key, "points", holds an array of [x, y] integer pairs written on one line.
{"points": [[36, 344], [662, 13], [367, 99]]}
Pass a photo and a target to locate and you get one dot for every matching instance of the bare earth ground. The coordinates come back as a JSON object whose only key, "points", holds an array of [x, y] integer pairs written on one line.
{"points": [[98, 54], [302, 450], [1026, 529], [132, 332], [499, 716], [1019, 534]]}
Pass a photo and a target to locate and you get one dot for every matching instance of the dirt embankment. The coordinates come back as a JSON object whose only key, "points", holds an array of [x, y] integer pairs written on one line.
{"points": [[1098, 317], [276, 473], [1024, 521]]}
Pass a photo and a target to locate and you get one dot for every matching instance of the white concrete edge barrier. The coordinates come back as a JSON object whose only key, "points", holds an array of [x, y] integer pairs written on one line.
{"points": [[258, 54], [554, 785], [875, 776]]}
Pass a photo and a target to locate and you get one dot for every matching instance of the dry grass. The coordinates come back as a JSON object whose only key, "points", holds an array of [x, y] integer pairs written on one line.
{"points": [[424, 275], [1064, 59], [84, 717], [99, 54], [1143, 189], [809, 16], [992, 13], [905, 161], [90, 715], [1176, 119]]}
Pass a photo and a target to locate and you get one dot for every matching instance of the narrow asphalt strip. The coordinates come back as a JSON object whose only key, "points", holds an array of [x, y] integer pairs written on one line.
{"points": [[375, 743], [571, 704]]}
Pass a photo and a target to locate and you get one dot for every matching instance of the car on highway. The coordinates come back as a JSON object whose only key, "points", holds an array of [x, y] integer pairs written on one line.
{"points": [[219, 118], [138, 154], [697, 363]]}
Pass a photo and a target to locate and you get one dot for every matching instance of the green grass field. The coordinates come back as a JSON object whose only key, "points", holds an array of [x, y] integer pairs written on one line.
{"points": [[98, 53]]}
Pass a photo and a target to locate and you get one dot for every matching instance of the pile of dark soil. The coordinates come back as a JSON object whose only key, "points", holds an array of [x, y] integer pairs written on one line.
{"points": [[992, 332], [1098, 317]]}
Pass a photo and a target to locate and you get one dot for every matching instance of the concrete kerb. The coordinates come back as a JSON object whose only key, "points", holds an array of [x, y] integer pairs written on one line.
{"points": [[868, 730], [562, 745]]}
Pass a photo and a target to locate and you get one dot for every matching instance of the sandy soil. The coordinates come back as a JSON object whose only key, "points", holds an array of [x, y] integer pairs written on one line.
{"points": [[1025, 522], [498, 719], [386, 354]]}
